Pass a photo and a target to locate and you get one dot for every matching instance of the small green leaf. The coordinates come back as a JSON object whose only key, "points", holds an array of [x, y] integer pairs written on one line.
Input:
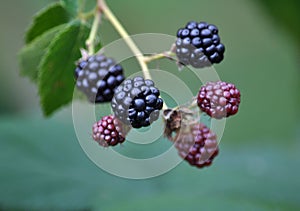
{"points": [[49, 17], [71, 6], [56, 81], [31, 54]]}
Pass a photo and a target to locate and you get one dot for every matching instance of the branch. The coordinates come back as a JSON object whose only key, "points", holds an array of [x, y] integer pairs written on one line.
{"points": [[118, 26], [90, 42]]}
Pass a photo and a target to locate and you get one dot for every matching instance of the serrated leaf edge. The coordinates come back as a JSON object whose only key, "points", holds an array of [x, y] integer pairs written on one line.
{"points": [[32, 44], [63, 3], [53, 42], [38, 15]]}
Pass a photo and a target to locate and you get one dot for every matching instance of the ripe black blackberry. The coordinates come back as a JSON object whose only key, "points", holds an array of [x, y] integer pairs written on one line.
{"points": [[219, 99], [198, 44], [97, 77], [197, 144], [137, 102], [109, 131]]}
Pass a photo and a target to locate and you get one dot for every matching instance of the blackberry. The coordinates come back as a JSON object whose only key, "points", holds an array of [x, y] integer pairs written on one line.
{"points": [[137, 102], [198, 145], [109, 131], [198, 44], [97, 77], [219, 99]]}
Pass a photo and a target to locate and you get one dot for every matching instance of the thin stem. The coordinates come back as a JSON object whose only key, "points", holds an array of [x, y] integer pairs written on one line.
{"points": [[118, 26], [194, 103], [120, 29], [90, 42], [167, 54]]}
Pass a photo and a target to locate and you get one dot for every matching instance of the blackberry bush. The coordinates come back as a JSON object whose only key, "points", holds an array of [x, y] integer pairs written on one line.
{"points": [[199, 45], [97, 77], [137, 102], [219, 99]]}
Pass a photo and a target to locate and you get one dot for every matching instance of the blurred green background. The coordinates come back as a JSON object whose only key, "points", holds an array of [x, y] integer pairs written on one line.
{"points": [[42, 166]]}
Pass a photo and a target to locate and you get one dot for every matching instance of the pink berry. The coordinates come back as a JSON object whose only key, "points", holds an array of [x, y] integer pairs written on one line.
{"points": [[199, 146], [109, 131], [219, 99]]}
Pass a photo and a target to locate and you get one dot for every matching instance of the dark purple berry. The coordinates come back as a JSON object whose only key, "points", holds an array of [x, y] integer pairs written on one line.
{"points": [[213, 29], [98, 77], [199, 36], [195, 33], [136, 102], [206, 33], [139, 104], [191, 25]]}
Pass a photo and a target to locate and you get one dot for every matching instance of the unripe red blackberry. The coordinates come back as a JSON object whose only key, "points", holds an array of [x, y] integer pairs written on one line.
{"points": [[219, 99], [109, 131], [136, 102], [199, 45], [198, 145], [97, 77]]}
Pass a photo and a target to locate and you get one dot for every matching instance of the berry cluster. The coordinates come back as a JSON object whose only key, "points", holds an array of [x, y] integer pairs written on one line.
{"points": [[198, 44], [109, 131], [137, 102], [98, 77], [198, 146], [219, 99]]}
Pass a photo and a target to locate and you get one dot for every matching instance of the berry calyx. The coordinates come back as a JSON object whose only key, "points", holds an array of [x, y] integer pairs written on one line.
{"points": [[219, 99], [97, 77], [109, 131], [198, 145], [136, 102], [199, 45]]}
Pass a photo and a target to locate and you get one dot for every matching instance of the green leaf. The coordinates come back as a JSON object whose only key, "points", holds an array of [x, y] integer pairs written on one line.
{"points": [[49, 17], [31, 54], [56, 81], [71, 6]]}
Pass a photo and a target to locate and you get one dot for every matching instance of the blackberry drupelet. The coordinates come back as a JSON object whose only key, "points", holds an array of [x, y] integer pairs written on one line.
{"points": [[109, 131], [198, 145], [219, 99], [97, 77], [137, 102], [198, 44]]}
